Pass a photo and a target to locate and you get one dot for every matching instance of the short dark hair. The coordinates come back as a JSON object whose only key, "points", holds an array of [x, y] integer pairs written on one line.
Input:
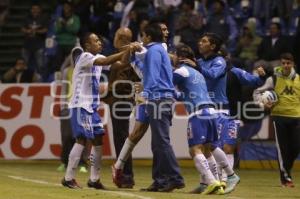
{"points": [[287, 56], [85, 38], [154, 31], [185, 51], [158, 19], [214, 39]]}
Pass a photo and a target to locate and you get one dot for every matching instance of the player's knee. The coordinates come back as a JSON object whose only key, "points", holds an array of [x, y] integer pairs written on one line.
{"points": [[197, 149], [97, 141], [228, 148], [81, 140]]}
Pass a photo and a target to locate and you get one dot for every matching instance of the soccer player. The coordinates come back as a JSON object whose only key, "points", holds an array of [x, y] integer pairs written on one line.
{"points": [[202, 123], [285, 115], [86, 123], [213, 68]]}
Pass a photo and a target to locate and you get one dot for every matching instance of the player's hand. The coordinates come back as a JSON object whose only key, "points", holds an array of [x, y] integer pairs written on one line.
{"points": [[189, 62], [260, 71], [268, 105], [135, 46], [139, 99], [138, 87]]}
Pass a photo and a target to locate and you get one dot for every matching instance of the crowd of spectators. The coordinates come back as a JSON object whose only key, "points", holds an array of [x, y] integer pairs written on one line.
{"points": [[255, 32]]}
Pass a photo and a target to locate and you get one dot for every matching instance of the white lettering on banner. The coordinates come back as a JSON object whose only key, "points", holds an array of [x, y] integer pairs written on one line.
{"points": [[30, 126]]}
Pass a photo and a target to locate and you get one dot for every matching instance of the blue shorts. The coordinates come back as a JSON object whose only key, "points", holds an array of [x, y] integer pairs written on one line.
{"points": [[227, 131], [141, 113], [202, 130], [86, 124]]}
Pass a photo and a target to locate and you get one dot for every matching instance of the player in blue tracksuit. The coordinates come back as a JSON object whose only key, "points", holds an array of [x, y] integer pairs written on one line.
{"points": [[202, 123], [159, 93], [213, 67]]}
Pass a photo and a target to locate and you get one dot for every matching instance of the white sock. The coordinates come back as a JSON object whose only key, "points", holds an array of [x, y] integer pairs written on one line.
{"points": [[213, 166], [202, 166], [95, 159], [74, 158], [230, 158], [223, 175], [124, 154], [222, 161]]}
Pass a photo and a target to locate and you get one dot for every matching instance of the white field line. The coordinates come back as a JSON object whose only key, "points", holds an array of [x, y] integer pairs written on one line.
{"points": [[131, 195]]}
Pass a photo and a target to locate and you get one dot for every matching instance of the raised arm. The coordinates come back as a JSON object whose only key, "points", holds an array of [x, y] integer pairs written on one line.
{"points": [[102, 61]]}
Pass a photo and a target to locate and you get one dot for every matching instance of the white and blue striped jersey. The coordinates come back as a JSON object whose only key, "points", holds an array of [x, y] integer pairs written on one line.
{"points": [[86, 80]]}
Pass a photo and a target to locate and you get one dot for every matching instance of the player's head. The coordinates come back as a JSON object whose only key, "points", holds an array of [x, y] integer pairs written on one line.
{"points": [[209, 43], [165, 31], [184, 52], [92, 43], [152, 33], [122, 37], [287, 63], [162, 23]]}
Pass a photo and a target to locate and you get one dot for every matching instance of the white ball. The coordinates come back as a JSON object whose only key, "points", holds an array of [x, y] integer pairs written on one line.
{"points": [[269, 96]]}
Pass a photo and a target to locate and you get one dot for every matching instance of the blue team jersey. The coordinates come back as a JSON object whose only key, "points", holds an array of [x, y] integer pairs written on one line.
{"points": [[193, 87], [214, 71]]}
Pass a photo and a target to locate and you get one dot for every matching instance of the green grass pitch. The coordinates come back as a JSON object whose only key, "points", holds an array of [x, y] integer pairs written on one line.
{"points": [[40, 180]]}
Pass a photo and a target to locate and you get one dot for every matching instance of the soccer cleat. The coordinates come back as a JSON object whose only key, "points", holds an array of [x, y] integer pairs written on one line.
{"points": [[96, 185], [219, 191], [61, 168], [127, 182], [211, 188], [223, 184], [232, 181], [289, 184], [199, 189], [72, 184], [117, 175], [82, 169]]}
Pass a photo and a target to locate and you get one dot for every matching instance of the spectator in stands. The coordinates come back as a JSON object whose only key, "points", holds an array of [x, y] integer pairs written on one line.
{"points": [[35, 29], [143, 22], [223, 24], [271, 47], [4, 5], [241, 12], [66, 29], [247, 46], [133, 11], [101, 16], [189, 24], [20, 73]]}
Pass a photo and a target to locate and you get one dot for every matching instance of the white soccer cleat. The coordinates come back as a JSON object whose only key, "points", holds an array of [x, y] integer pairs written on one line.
{"points": [[232, 181]]}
